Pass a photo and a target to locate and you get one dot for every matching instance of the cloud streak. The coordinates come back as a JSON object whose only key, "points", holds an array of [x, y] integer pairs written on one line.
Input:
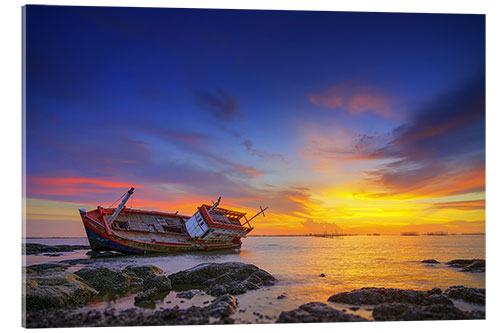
{"points": [[356, 99], [220, 104]]}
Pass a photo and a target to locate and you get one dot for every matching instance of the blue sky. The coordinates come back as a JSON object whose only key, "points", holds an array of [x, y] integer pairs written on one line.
{"points": [[271, 107]]}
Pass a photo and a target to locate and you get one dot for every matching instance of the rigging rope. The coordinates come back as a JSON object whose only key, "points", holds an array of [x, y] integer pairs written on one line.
{"points": [[116, 200]]}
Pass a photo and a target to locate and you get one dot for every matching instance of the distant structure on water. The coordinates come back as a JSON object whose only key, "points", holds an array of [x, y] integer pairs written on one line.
{"points": [[325, 235], [438, 233], [410, 233]]}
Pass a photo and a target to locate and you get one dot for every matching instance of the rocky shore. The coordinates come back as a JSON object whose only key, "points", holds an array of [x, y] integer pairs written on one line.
{"points": [[57, 294], [465, 265], [32, 248]]}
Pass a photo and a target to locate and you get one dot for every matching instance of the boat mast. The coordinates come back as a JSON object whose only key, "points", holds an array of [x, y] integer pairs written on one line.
{"points": [[262, 210], [120, 206]]}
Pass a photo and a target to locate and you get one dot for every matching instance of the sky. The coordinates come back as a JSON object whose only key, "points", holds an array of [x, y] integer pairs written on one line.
{"points": [[339, 122]]}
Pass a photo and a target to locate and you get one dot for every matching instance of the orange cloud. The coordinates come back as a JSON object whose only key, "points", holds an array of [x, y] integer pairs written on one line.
{"points": [[461, 205], [72, 185], [355, 99], [254, 173], [447, 183]]}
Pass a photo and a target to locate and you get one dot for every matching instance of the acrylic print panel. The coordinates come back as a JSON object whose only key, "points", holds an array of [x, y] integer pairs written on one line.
{"points": [[195, 166]]}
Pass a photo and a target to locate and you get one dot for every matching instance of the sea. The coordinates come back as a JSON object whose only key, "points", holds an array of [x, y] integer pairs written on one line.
{"points": [[299, 263]]}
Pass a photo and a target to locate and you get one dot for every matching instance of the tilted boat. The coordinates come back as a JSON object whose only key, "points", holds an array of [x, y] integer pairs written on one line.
{"points": [[139, 231]]}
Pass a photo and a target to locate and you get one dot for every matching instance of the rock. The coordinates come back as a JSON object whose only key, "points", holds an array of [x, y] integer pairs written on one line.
{"points": [[106, 280], [434, 291], [222, 306], [438, 299], [316, 312], [106, 254], [160, 282], [188, 294], [49, 286], [405, 311], [217, 290], [477, 266], [375, 296], [220, 278], [218, 312], [40, 268], [322, 275], [32, 248], [471, 295], [73, 262], [469, 265], [281, 296], [144, 272], [146, 295], [430, 261]]}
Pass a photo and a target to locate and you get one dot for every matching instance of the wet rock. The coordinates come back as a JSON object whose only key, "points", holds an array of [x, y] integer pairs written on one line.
{"points": [[40, 268], [73, 262], [430, 261], [469, 265], [32, 248], [144, 272], [281, 296], [471, 295], [160, 282], [50, 286], [434, 291], [222, 306], [217, 290], [438, 299], [405, 311], [188, 293], [375, 296], [147, 295], [354, 308], [105, 254], [316, 312], [220, 278], [218, 312], [106, 280]]}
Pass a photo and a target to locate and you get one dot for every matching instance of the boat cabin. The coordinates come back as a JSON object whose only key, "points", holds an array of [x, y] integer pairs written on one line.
{"points": [[211, 224]]}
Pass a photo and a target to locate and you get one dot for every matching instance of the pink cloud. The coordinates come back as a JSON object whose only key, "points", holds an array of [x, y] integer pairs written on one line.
{"points": [[71, 186], [356, 99]]}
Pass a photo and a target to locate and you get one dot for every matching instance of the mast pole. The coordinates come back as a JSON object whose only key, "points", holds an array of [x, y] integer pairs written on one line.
{"points": [[120, 206]]}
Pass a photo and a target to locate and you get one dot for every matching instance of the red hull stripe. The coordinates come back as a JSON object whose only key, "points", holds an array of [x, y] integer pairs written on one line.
{"points": [[118, 239]]}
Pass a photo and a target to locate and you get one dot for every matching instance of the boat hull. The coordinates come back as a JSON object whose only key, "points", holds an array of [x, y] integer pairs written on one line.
{"points": [[100, 240]]}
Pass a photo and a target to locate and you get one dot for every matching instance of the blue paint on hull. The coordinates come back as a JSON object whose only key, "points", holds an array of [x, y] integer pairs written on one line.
{"points": [[99, 243]]}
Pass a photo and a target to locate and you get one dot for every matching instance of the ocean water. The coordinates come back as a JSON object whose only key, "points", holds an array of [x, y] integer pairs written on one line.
{"points": [[347, 262]]}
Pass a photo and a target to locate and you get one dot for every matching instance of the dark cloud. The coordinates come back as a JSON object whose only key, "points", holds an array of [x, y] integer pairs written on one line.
{"points": [[444, 141], [262, 153], [220, 104]]}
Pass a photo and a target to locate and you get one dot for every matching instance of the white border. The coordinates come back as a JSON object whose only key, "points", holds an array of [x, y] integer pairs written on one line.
{"points": [[10, 130]]}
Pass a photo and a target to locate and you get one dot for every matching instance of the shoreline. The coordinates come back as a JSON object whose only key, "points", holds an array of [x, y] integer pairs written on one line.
{"points": [[239, 299]]}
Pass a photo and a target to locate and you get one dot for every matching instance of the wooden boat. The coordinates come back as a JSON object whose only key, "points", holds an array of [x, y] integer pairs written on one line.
{"points": [[139, 231]]}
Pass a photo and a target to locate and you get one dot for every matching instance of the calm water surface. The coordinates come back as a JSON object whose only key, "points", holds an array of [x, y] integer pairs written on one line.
{"points": [[348, 262]]}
